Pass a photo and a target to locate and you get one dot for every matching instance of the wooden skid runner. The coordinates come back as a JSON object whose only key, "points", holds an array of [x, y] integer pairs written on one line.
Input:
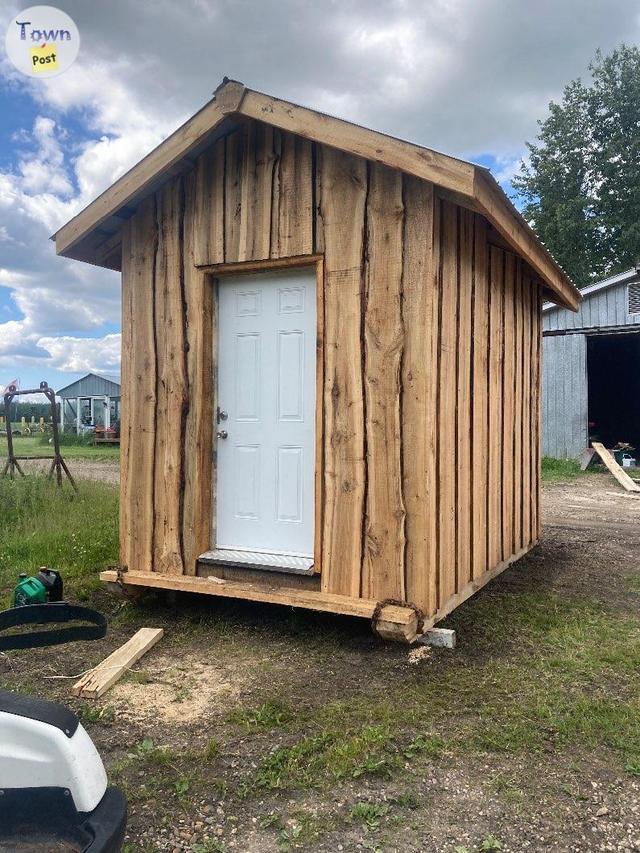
{"points": [[404, 618], [93, 684]]}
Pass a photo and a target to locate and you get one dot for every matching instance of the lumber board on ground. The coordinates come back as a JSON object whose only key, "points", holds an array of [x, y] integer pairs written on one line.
{"points": [[619, 473], [97, 681]]}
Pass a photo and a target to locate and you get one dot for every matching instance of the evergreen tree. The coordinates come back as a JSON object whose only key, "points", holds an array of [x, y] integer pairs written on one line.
{"points": [[581, 186]]}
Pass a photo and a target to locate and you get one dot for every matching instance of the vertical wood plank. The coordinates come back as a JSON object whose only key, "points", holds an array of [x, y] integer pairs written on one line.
{"points": [[463, 410], [536, 355], [480, 454], [172, 397], [496, 331], [246, 234], [234, 159], [419, 394], [198, 438], [518, 481], [343, 190], [137, 456], [526, 408], [208, 206], [256, 192], [383, 563], [508, 405], [294, 234], [447, 401]]}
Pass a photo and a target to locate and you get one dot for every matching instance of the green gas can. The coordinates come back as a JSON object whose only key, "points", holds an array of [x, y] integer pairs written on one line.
{"points": [[29, 591]]}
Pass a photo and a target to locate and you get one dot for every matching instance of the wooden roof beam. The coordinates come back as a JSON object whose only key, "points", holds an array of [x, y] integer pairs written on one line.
{"points": [[440, 169]]}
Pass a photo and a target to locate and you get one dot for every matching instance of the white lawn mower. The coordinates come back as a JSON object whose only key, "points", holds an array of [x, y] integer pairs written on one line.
{"points": [[53, 786]]}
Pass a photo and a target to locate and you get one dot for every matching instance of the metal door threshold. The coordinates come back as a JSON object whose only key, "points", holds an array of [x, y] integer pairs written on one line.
{"points": [[259, 560]]}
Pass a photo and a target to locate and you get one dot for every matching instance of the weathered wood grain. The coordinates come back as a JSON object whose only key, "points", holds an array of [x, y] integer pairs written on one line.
{"points": [[171, 382], [419, 393], [256, 192], [294, 187], [447, 402], [138, 423], [518, 482], [464, 571], [508, 405], [384, 542], [234, 160], [480, 389], [526, 405], [342, 200], [206, 200], [201, 308], [496, 335]]}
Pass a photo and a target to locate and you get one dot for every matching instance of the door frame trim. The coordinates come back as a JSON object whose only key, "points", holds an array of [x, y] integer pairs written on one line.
{"points": [[216, 271]]}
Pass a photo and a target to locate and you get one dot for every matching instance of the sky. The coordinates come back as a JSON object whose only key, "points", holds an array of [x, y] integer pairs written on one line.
{"points": [[467, 77]]}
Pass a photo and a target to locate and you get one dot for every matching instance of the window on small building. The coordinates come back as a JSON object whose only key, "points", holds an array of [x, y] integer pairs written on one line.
{"points": [[634, 298]]}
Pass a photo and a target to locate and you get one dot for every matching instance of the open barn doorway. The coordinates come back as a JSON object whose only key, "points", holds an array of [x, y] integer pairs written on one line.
{"points": [[613, 371]]}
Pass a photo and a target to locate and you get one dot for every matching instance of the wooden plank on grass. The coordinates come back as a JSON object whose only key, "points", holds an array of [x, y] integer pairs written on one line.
{"points": [[621, 476], [95, 683]]}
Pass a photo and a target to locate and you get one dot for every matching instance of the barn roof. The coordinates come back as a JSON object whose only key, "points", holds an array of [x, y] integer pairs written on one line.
{"points": [[94, 234], [625, 277]]}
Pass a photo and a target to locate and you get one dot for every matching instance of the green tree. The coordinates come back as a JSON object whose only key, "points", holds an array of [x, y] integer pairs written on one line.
{"points": [[581, 184]]}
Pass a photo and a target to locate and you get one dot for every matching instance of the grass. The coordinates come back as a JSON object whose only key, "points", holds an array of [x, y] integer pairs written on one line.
{"points": [[564, 673], [555, 470], [45, 526], [72, 447], [537, 673]]}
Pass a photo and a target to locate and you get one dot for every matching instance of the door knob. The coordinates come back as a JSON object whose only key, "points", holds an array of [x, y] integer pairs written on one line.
{"points": [[222, 433]]}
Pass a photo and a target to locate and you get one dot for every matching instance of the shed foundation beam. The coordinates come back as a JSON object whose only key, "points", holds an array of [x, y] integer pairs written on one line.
{"points": [[396, 623]]}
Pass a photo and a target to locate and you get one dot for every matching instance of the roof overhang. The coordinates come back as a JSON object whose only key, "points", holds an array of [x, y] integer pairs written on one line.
{"points": [[94, 234]]}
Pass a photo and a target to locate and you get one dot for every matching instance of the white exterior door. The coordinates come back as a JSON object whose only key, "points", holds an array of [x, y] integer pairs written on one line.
{"points": [[266, 394]]}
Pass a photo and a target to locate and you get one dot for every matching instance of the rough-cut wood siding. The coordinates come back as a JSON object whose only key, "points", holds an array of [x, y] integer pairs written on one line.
{"points": [[431, 352]]}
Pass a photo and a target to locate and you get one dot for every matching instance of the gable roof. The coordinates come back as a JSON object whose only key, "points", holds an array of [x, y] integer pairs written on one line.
{"points": [[93, 235], [620, 278], [113, 378]]}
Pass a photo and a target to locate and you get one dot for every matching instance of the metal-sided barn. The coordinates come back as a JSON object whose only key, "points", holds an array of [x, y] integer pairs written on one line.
{"points": [[330, 363], [92, 400], [591, 378]]}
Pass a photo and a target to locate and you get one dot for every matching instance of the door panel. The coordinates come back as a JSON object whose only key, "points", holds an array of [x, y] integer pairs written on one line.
{"points": [[266, 387]]}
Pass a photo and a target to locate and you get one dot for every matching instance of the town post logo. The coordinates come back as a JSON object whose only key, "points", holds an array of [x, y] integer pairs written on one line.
{"points": [[42, 41]]}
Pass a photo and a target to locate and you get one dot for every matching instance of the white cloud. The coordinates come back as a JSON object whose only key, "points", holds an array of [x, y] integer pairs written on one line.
{"points": [[464, 77], [80, 355]]}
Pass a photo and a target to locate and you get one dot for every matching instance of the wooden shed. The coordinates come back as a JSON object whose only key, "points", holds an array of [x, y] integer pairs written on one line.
{"points": [[330, 364]]}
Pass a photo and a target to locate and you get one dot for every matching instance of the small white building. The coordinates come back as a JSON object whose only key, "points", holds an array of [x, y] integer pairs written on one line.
{"points": [[91, 401]]}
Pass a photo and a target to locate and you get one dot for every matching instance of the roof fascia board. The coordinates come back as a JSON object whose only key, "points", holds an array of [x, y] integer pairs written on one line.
{"points": [[440, 169], [496, 207], [162, 158], [467, 181]]}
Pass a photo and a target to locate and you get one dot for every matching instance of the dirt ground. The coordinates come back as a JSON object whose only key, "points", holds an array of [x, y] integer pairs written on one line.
{"points": [[216, 734], [105, 471]]}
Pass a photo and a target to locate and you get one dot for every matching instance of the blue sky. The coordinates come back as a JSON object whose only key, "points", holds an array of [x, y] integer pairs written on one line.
{"points": [[467, 78]]}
